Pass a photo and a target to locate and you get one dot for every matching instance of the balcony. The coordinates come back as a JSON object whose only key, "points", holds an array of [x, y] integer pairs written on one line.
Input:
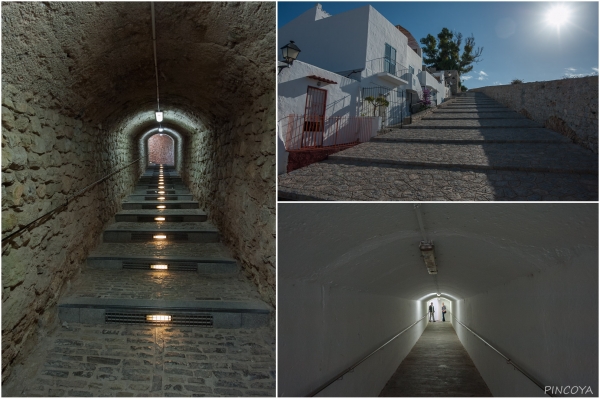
{"points": [[428, 80], [413, 84], [389, 71]]}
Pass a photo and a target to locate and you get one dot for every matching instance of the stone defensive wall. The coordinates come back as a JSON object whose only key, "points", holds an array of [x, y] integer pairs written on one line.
{"points": [[567, 106]]}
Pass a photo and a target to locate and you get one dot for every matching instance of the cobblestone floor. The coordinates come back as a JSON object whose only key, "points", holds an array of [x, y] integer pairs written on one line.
{"points": [[533, 157], [469, 115], [164, 285], [491, 135], [354, 181], [485, 157], [475, 123], [148, 361]]}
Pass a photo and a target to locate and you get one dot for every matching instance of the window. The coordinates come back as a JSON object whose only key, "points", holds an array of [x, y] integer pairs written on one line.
{"points": [[389, 61]]}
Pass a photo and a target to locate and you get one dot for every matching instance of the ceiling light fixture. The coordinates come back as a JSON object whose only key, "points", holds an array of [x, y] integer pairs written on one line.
{"points": [[427, 248], [158, 113]]}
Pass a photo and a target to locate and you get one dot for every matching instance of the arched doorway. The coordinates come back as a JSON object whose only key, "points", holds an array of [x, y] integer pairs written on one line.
{"points": [[161, 149]]}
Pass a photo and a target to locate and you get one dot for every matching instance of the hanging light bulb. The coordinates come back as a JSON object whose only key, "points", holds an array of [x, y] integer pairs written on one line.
{"points": [[159, 116]]}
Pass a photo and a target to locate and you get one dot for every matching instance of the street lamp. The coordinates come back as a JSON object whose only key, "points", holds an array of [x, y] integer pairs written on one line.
{"points": [[290, 52]]}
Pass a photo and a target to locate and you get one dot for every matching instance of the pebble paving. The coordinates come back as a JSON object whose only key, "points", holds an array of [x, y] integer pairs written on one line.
{"points": [[496, 159]]}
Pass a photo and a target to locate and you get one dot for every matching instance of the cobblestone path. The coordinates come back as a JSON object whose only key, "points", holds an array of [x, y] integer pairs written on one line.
{"points": [[470, 148], [220, 340]]}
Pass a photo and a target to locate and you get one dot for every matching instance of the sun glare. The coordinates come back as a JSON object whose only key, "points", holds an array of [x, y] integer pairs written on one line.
{"points": [[558, 15]]}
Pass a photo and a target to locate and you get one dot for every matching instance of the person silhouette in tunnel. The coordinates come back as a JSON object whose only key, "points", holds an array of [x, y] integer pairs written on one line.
{"points": [[443, 312], [431, 310]]}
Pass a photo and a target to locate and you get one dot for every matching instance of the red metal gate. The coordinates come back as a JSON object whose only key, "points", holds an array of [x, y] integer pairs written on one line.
{"points": [[314, 122]]}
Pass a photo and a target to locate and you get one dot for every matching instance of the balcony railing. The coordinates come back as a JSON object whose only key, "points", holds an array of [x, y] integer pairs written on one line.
{"points": [[309, 132], [379, 65]]}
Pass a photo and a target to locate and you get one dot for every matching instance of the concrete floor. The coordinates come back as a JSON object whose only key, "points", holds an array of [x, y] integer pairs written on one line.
{"points": [[438, 365]]}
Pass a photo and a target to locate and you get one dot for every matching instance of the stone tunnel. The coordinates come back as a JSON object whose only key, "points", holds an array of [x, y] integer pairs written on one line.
{"points": [[79, 95]]}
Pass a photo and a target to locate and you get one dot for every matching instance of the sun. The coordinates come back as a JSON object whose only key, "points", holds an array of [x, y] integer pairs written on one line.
{"points": [[558, 15]]}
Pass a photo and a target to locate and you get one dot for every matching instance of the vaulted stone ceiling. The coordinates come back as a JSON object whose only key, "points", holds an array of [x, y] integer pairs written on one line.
{"points": [[374, 247], [95, 59]]}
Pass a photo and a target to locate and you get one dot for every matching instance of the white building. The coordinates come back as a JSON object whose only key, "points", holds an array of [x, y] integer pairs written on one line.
{"points": [[344, 59]]}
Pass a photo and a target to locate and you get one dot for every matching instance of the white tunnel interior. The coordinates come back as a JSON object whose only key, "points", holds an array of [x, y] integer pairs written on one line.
{"points": [[523, 276]]}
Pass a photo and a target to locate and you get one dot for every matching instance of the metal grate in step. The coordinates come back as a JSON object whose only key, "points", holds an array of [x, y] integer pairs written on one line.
{"points": [[167, 218], [142, 237], [177, 319], [176, 266]]}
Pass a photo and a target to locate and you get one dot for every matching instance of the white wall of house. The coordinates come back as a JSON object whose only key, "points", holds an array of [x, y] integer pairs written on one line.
{"points": [[382, 31], [336, 43], [293, 83]]}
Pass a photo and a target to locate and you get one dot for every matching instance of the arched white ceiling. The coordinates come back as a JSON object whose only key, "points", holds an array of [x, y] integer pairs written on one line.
{"points": [[374, 247]]}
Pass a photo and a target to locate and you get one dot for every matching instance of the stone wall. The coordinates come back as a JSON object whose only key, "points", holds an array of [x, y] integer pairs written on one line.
{"points": [[230, 168], [47, 157], [161, 149], [567, 106]]}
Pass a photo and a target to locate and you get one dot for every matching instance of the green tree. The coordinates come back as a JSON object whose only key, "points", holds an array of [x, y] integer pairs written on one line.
{"points": [[516, 81], [380, 101], [444, 53]]}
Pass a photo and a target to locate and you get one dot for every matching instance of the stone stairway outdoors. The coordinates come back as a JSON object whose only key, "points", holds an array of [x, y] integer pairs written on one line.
{"points": [[161, 309], [470, 149]]}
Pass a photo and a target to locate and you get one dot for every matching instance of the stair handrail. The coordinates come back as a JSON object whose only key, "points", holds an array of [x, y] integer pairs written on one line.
{"points": [[351, 368], [77, 194], [508, 361]]}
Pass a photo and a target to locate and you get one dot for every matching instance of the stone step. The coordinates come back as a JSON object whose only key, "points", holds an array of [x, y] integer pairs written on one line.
{"points": [[191, 232], [170, 215], [446, 110], [451, 106], [472, 136], [358, 181], [206, 313], [555, 158], [155, 187], [203, 258], [474, 124], [473, 115], [167, 180], [155, 204], [154, 197], [164, 191]]}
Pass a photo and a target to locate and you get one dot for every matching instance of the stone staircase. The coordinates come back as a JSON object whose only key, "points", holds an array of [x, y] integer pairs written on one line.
{"points": [[162, 263], [471, 148]]}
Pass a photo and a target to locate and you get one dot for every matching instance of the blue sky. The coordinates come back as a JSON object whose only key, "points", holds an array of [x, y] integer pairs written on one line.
{"points": [[518, 41]]}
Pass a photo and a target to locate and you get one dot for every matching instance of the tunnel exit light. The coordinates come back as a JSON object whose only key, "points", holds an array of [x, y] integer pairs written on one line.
{"points": [[159, 116], [158, 317]]}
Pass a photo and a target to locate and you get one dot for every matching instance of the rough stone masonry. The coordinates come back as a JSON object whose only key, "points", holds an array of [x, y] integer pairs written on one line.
{"points": [[567, 106]]}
